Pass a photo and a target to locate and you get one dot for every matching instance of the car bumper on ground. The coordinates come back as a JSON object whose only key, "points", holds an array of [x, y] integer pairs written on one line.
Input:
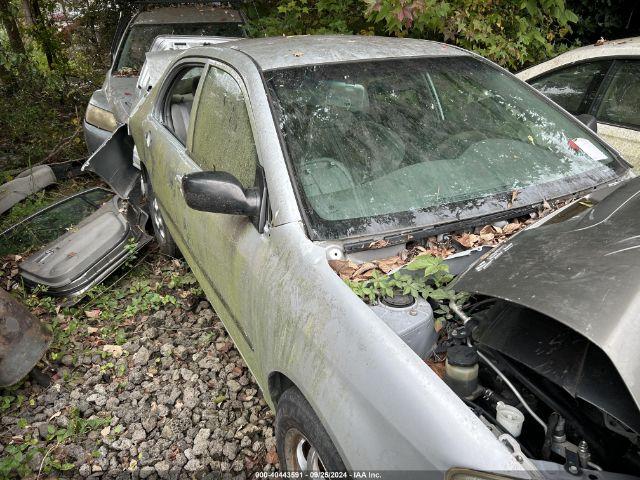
{"points": [[94, 136]]}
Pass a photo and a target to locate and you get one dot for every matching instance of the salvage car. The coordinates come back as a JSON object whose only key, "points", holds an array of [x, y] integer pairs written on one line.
{"points": [[601, 80], [110, 105], [282, 167]]}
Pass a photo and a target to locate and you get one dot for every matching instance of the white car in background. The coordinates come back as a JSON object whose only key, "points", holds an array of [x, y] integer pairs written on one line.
{"points": [[603, 81]]}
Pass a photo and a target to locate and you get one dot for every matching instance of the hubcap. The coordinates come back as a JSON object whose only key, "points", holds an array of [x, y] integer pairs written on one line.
{"points": [[158, 223], [301, 455]]}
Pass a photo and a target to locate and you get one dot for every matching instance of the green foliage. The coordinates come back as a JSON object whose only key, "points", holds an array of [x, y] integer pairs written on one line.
{"points": [[512, 33], [302, 17], [145, 299], [15, 457], [433, 284]]}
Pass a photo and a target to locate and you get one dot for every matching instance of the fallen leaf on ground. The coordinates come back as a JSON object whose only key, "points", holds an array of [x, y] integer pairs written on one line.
{"points": [[271, 457], [114, 350], [467, 240], [93, 313]]}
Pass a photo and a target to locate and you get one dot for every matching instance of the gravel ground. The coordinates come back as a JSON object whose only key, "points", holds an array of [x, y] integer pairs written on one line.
{"points": [[173, 399]]}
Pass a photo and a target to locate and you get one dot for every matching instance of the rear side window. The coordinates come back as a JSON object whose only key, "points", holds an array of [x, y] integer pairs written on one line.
{"points": [[573, 87], [179, 102], [621, 101], [222, 135]]}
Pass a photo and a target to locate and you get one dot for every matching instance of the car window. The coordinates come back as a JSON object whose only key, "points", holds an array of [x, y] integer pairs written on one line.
{"points": [[621, 101], [179, 102], [573, 87], [222, 135], [140, 37], [396, 144]]}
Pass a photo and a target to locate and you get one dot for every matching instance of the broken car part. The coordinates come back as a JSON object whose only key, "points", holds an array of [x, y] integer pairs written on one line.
{"points": [[49, 223], [35, 179], [26, 183], [556, 332], [86, 255], [23, 340], [112, 162]]}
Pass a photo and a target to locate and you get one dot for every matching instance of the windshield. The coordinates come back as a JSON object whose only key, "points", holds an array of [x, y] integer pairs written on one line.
{"points": [[390, 145], [140, 37]]}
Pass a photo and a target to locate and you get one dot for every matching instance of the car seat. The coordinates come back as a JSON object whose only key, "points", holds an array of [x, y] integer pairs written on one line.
{"points": [[181, 105]]}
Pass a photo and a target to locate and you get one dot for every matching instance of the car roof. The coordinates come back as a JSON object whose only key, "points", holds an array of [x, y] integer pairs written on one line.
{"points": [[624, 47], [283, 52], [187, 14]]}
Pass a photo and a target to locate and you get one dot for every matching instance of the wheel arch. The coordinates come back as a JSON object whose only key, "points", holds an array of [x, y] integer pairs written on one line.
{"points": [[277, 384]]}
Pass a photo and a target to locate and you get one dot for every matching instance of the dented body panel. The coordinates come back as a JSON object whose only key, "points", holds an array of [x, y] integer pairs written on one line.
{"points": [[583, 272]]}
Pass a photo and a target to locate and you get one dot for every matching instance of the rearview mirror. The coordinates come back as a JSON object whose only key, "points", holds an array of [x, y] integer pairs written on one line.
{"points": [[589, 120], [220, 192]]}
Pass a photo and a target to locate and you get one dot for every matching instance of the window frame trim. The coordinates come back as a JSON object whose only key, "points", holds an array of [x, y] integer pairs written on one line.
{"points": [[160, 106]]}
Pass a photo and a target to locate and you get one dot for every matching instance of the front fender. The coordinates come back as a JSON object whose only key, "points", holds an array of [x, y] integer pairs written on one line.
{"points": [[381, 404]]}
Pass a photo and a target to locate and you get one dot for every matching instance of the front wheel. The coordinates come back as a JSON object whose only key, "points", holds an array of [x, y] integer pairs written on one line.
{"points": [[303, 443]]}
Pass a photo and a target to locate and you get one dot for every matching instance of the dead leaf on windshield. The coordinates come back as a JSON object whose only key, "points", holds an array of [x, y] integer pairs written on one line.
{"points": [[378, 244], [511, 228], [364, 268], [389, 264], [344, 268], [514, 197], [467, 240]]}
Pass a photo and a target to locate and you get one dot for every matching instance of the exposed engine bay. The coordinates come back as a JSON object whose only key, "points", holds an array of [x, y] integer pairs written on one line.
{"points": [[543, 389], [544, 349], [542, 383]]}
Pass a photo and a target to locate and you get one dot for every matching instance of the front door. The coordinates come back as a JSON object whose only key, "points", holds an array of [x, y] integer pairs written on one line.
{"points": [[223, 247]]}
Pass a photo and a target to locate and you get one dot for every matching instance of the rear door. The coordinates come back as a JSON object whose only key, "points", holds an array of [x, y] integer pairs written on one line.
{"points": [[165, 139]]}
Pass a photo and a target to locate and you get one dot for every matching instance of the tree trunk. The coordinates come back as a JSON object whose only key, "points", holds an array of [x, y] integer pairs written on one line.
{"points": [[11, 26], [42, 32], [28, 16]]}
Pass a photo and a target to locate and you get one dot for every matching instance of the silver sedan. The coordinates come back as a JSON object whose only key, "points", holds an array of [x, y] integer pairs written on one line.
{"points": [[267, 162]]}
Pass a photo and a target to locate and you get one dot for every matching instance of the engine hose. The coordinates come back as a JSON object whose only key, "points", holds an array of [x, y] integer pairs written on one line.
{"points": [[515, 391], [553, 404], [458, 311]]}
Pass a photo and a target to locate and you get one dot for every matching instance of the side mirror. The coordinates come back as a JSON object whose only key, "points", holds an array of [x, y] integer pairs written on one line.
{"points": [[220, 192], [589, 120]]}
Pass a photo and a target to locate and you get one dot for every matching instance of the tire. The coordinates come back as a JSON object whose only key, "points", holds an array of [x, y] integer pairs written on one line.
{"points": [[299, 433], [165, 241]]}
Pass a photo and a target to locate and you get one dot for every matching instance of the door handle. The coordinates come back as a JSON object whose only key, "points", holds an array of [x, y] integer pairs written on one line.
{"points": [[147, 139]]}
